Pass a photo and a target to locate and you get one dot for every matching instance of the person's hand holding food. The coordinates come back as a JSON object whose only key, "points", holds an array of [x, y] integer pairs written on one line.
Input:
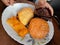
{"points": [[8, 2], [44, 4]]}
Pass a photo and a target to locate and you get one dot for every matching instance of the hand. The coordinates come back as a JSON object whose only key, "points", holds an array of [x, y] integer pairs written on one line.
{"points": [[8, 2], [50, 8], [44, 4]]}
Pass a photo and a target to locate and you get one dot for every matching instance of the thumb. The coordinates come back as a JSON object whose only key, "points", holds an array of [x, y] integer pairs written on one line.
{"points": [[12, 2]]}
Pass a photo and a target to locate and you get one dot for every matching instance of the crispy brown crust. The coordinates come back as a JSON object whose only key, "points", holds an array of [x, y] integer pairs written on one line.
{"points": [[38, 28]]}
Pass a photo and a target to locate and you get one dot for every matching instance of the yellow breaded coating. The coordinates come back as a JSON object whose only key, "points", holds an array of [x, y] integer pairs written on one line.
{"points": [[25, 14], [17, 26]]}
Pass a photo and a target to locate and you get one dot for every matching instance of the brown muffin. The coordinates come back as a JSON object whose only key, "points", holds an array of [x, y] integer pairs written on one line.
{"points": [[38, 28], [43, 12]]}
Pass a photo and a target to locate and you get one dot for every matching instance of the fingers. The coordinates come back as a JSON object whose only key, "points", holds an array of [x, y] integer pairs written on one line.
{"points": [[50, 8], [5, 2], [12, 2], [8, 2]]}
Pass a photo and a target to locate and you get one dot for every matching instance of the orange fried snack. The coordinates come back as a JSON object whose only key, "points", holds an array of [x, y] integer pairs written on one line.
{"points": [[17, 26], [38, 28]]}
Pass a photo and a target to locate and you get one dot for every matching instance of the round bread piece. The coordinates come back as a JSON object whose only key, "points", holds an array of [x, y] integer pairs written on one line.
{"points": [[38, 28], [25, 14]]}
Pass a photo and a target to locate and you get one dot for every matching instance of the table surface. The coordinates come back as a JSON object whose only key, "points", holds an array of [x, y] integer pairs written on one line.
{"points": [[7, 40]]}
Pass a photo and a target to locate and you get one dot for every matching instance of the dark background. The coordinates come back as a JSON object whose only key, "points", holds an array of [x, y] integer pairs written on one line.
{"points": [[56, 6]]}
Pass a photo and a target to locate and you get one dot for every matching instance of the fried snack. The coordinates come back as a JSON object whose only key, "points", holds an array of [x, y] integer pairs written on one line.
{"points": [[25, 14], [38, 28], [17, 26]]}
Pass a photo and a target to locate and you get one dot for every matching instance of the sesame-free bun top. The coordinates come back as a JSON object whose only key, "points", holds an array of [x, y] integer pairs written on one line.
{"points": [[38, 28]]}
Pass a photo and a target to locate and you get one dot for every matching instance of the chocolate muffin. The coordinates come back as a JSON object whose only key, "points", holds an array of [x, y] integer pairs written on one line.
{"points": [[43, 12]]}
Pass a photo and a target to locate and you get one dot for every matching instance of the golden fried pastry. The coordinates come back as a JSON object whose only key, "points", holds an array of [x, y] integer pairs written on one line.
{"points": [[38, 28], [17, 26], [25, 14]]}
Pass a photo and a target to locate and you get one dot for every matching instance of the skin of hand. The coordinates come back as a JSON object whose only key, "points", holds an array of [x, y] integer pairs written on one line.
{"points": [[43, 4], [8, 2], [50, 8]]}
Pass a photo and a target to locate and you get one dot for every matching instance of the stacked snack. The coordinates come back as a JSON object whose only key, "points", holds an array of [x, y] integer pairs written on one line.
{"points": [[25, 14], [17, 26], [38, 28]]}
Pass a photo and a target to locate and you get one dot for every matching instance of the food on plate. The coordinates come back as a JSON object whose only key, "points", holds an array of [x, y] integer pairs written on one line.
{"points": [[17, 26], [43, 12], [25, 14], [38, 28]]}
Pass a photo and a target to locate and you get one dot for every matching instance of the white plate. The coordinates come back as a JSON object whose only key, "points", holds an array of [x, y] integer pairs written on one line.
{"points": [[12, 11]]}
